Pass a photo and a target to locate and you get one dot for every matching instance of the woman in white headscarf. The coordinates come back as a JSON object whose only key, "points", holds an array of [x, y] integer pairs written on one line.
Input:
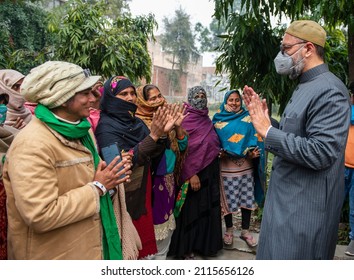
{"points": [[17, 114]]}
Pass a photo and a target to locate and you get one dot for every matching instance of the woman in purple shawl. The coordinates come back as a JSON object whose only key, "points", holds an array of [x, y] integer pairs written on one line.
{"points": [[197, 211]]}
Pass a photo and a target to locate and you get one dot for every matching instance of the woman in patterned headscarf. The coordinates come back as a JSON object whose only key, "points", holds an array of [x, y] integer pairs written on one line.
{"points": [[198, 222], [17, 114], [167, 167], [242, 152]]}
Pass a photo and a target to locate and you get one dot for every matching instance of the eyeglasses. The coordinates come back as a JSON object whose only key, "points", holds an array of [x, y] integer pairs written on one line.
{"points": [[86, 72], [288, 47]]}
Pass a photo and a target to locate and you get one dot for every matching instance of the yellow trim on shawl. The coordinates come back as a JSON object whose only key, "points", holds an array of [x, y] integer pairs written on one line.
{"points": [[236, 138], [247, 119], [220, 125]]}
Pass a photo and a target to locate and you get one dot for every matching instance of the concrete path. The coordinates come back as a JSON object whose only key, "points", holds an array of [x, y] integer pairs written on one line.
{"points": [[239, 250]]}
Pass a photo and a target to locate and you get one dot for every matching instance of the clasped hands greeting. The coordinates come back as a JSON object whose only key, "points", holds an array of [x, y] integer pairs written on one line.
{"points": [[258, 110]]}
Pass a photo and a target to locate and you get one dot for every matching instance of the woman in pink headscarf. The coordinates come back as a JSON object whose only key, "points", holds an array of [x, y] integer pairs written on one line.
{"points": [[95, 111], [17, 114]]}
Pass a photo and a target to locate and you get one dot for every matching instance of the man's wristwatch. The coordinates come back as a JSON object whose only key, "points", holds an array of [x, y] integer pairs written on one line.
{"points": [[101, 187]]}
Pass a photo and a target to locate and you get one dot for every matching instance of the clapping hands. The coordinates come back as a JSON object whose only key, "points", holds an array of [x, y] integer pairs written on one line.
{"points": [[165, 119], [176, 114]]}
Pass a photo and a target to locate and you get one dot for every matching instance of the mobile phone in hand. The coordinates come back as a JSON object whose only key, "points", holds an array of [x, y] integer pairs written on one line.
{"points": [[110, 152]]}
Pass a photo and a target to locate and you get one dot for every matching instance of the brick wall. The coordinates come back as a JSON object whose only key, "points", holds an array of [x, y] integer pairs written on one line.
{"points": [[160, 78]]}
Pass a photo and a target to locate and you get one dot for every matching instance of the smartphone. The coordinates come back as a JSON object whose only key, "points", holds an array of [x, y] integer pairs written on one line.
{"points": [[110, 152]]}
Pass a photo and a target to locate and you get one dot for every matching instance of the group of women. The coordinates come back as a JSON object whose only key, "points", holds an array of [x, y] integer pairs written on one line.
{"points": [[188, 170], [179, 157]]}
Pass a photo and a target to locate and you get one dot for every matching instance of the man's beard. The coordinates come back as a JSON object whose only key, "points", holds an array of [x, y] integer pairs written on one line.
{"points": [[297, 70]]}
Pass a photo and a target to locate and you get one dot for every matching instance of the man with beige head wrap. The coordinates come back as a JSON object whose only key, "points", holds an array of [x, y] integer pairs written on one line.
{"points": [[57, 188]]}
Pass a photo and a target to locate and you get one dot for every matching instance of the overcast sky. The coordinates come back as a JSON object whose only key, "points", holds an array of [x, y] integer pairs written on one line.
{"points": [[199, 11]]}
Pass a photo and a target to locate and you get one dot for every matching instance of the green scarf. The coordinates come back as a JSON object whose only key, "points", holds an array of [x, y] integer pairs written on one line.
{"points": [[112, 249]]}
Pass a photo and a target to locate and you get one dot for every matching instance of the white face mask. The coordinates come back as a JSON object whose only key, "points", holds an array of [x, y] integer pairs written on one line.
{"points": [[284, 63]]}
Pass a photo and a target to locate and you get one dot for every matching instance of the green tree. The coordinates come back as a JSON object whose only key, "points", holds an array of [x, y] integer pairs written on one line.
{"points": [[113, 8], [247, 55], [209, 38], [117, 8], [88, 38], [23, 36], [205, 38], [251, 43], [5, 45], [178, 41]]}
